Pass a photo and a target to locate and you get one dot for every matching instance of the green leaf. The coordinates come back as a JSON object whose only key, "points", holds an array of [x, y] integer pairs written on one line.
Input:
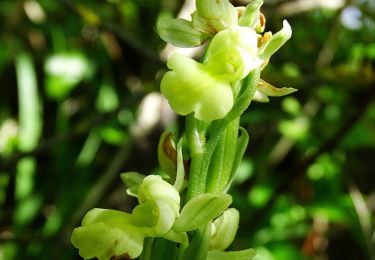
{"points": [[224, 229], [107, 233], [180, 32], [200, 210], [198, 246], [178, 237], [247, 254]]}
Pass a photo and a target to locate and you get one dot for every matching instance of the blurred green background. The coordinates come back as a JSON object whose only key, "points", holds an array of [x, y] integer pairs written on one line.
{"points": [[79, 104]]}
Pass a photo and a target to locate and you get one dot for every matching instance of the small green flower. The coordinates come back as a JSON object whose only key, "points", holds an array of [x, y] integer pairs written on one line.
{"points": [[107, 233], [192, 87], [110, 233], [205, 89]]}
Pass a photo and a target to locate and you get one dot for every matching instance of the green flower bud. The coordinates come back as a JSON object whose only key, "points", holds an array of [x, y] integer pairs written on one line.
{"points": [[224, 229], [159, 206], [220, 14], [154, 187], [167, 155]]}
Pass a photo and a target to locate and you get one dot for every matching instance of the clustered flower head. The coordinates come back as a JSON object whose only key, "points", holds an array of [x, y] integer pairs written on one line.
{"points": [[237, 45]]}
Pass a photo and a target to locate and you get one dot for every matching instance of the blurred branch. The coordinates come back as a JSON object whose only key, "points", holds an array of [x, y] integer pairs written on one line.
{"points": [[91, 18], [329, 48], [100, 187], [290, 8]]}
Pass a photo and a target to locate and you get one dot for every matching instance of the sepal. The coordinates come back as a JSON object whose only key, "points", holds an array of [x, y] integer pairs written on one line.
{"points": [[132, 180], [220, 14], [180, 32], [272, 91]]}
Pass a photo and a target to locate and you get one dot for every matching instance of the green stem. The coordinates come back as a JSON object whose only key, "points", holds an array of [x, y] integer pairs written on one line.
{"points": [[147, 249], [202, 156]]}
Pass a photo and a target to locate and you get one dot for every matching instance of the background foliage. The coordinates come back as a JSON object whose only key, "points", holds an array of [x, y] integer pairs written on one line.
{"points": [[79, 105]]}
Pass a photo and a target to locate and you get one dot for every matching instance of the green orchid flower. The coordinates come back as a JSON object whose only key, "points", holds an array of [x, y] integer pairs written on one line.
{"points": [[205, 89], [107, 233], [193, 87], [110, 233]]}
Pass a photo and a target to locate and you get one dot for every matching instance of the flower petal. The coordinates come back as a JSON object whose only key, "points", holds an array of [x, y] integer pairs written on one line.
{"points": [[107, 233], [276, 41], [191, 87], [232, 53]]}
